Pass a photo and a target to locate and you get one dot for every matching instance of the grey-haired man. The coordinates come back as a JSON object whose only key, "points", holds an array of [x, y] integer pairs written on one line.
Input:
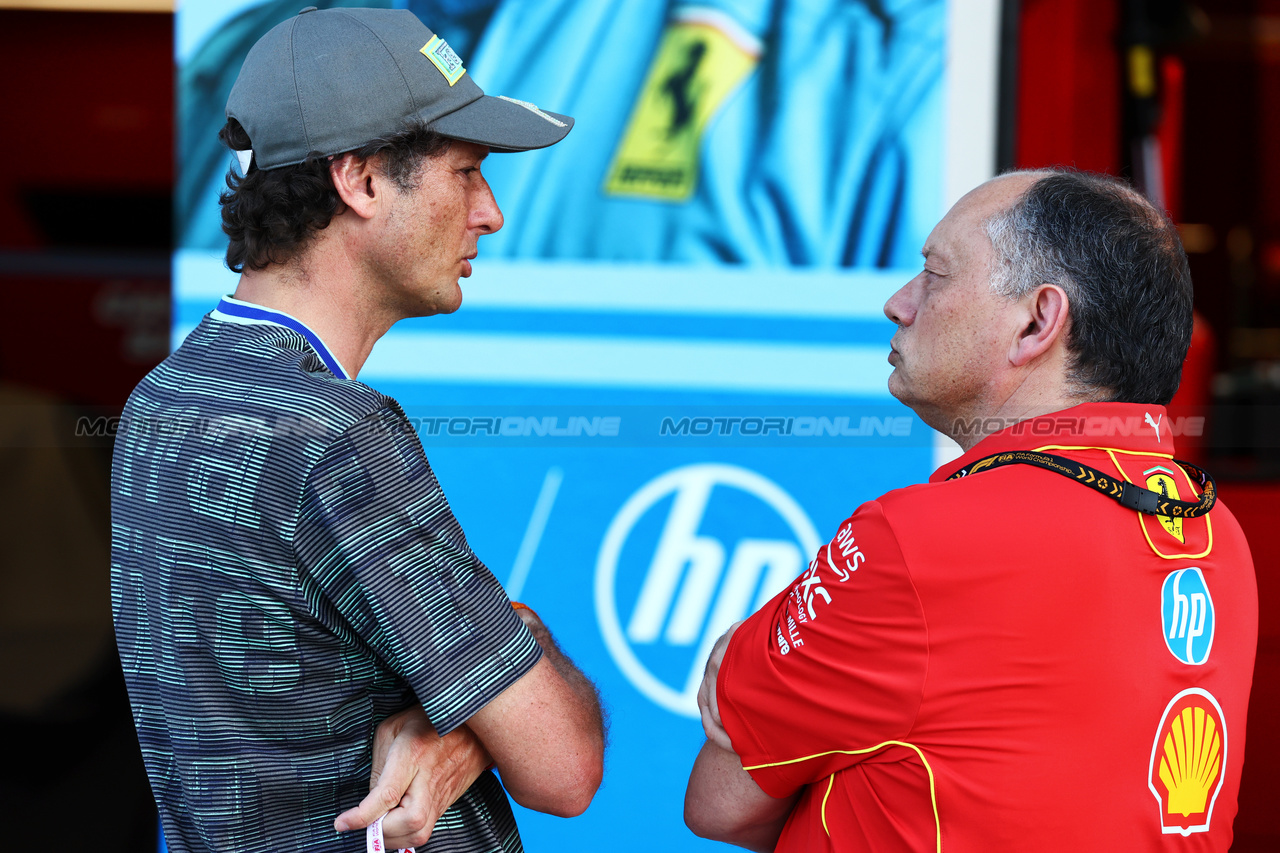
{"points": [[278, 591], [995, 657]]}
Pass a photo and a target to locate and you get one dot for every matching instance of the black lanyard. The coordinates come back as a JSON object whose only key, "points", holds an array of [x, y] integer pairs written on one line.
{"points": [[1128, 494]]}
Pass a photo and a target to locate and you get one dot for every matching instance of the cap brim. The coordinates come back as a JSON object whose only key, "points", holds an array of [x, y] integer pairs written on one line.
{"points": [[503, 125]]}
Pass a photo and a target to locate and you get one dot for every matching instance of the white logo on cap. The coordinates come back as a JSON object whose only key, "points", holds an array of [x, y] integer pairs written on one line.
{"points": [[534, 109]]}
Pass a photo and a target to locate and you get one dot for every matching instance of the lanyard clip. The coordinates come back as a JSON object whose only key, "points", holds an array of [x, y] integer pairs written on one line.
{"points": [[1136, 497]]}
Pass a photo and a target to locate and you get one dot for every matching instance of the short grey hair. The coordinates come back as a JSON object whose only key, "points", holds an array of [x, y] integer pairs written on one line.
{"points": [[1120, 262]]}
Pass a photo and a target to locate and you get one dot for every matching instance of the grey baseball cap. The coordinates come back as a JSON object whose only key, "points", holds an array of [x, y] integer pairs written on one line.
{"points": [[329, 81]]}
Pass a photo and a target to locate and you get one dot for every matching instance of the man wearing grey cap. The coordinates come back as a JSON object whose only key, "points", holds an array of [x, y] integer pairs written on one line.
{"points": [[286, 571]]}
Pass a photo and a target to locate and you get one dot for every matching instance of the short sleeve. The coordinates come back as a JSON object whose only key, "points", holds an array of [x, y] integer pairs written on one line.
{"points": [[831, 669], [377, 542]]}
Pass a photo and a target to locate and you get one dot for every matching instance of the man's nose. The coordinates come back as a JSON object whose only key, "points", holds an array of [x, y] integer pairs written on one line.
{"points": [[900, 308], [485, 215]]}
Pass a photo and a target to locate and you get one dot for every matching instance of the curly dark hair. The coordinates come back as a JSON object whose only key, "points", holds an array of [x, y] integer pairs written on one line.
{"points": [[270, 215]]}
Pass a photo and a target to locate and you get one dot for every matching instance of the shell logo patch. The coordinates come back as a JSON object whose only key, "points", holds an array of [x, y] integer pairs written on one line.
{"points": [[1160, 481], [443, 57], [1187, 616], [1188, 762]]}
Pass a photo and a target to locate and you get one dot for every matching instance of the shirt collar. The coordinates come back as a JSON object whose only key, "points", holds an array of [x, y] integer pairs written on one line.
{"points": [[232, 310], [1127, 427]]}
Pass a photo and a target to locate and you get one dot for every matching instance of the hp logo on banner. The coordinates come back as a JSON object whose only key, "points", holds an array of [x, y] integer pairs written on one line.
{"points": [[666, 588]]}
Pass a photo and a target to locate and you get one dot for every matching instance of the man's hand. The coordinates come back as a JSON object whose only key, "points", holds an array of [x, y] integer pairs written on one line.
{"points": [[416, 776], [707, 705]]}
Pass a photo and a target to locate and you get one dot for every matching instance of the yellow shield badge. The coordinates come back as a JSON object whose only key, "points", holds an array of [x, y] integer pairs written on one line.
{"points": [[697, 66], [1160, 481]]}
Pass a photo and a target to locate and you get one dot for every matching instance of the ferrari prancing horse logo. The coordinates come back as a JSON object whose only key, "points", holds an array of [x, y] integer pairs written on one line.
{"points": [[1160, 481]]}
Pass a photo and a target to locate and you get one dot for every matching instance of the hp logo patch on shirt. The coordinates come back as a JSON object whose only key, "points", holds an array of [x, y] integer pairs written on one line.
{"points": [[1186, 611]]}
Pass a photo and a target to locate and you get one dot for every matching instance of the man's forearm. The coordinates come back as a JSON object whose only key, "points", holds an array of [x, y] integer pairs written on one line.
{"points": [[581, 686], [546, 732], [724, 803]]}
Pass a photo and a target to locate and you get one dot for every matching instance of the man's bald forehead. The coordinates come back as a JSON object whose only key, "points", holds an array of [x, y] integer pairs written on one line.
{"points": [[1006, 189], [962, 231], [1024, 179]]}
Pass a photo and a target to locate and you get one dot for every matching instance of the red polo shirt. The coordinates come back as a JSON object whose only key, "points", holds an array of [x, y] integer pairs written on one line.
{"points": [[1009, 661]]}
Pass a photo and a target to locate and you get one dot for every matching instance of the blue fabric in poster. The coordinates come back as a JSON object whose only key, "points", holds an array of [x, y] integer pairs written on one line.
{"points": [[821, 146], [666, 385]]}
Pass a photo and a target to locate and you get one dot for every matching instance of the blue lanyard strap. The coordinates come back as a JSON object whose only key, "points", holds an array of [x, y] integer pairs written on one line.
{"points": [[245, 311]]}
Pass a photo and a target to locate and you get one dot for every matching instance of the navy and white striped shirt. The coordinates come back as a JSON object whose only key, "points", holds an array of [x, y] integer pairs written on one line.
{"points": [[286, 573]]}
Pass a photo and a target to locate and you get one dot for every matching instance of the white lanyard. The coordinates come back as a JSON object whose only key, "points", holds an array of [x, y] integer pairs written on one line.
{"points": [[373, 842]]}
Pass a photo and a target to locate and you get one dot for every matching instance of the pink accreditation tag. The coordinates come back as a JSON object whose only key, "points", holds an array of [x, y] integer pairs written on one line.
{"points": [[373, 841]]}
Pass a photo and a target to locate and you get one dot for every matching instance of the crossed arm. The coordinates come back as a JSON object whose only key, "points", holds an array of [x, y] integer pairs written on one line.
{"points": [[545, 735], [722, 801]]}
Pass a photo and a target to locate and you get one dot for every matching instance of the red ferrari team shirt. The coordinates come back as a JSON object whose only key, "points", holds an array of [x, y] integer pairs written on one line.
{"points": [[1009, 661]]}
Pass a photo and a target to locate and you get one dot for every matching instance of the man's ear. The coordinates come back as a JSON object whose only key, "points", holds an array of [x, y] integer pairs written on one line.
{"points": [[1044, 322], [359, 184]]}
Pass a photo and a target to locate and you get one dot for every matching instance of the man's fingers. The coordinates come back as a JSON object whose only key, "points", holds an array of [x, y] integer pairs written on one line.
{"points": [[713, 706], [400, 842], [708, 707], [380, 750], [385, 735], [707, 728], [382, 799], [409, 825], [711, 724], [402, 752], [715, 732]]}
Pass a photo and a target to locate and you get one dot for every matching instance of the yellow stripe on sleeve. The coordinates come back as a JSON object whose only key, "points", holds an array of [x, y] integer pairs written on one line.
{"points": [[933, 789]]}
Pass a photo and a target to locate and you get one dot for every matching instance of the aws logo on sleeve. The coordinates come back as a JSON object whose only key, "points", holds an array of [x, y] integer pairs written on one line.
{"points": [[703, 57]]}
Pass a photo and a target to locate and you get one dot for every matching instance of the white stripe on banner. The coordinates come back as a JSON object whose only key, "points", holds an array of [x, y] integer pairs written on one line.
{"points": [[496, 359], [625, 361], [681, 290], [630, 363]]}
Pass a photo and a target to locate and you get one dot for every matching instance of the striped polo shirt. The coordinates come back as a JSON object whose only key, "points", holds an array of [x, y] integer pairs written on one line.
{"points": [[285, 574]]}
